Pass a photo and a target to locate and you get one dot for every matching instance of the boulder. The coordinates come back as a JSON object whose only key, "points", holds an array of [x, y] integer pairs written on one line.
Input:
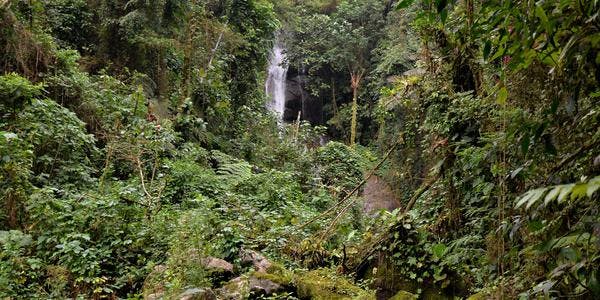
{"points": [[236, 289], [155, 296], [325, 284], [265, 287], [197, 294], [217, 265], [257, 260], [241, 287], [404, 295]]}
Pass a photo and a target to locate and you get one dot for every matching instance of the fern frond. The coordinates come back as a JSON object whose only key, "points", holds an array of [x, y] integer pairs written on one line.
{"points": [[559, 193]]}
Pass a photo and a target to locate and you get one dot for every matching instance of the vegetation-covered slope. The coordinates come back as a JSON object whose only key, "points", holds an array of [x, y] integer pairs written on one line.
{"points": [[138, 159]]}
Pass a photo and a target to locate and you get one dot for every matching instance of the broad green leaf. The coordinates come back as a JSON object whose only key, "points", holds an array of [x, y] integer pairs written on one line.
{"points": [[498, 53], [569, 253], [404, 4], [444, 15], [441, 5], [487, 48], [525, 143], [571, 240], [535, 225], [541, 14]]}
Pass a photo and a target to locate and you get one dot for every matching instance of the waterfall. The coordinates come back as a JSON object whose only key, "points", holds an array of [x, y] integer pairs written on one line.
{"points": [[276, 81]]}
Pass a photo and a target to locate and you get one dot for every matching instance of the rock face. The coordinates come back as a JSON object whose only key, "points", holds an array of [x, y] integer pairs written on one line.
{"points": [[257, 260], [378, 195], [298, 99], [197, 294]]}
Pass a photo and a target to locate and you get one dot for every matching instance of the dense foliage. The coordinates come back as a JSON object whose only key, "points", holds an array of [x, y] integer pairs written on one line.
{"points": [[138, 159]]}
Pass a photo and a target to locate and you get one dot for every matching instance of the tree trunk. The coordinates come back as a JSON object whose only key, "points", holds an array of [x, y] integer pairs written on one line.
{"points": [[187, 62], [355, 79], [334, 102]]}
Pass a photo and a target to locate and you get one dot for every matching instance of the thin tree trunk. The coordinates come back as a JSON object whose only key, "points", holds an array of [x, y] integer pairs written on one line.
{"points": [[187, 60], [355, 79], [213, 53], [354, 113], [333, 101], [161, 75], [470, 8]]}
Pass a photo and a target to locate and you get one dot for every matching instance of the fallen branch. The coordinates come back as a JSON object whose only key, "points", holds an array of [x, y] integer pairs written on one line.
{"points": [[343, 211], [424, 187], [356, 188]]}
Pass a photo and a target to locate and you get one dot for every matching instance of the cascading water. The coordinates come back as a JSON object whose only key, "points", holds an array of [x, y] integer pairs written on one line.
{"points": [[276, 81]]}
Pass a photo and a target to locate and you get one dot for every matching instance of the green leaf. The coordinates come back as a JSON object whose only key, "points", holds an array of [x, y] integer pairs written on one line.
{"points": [[541, 14], [441, 5], [535, 225], [439, 250], [579, 191], [552, 194], [592, 186], [444, 15], [566, 190], [537, 194], [487, 48], [404, 4], [498, 53], [502, 96], [569, 253], [530, 197], [525, 141]]}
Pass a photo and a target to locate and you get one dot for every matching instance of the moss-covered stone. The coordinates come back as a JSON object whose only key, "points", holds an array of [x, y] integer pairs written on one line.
{"points": [[324, 284], [236, 289], [283, 278], [478, 296], [404, 295]]}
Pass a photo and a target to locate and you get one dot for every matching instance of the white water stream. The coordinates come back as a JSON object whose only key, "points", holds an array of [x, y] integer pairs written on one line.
{"points": [[276, 81]]}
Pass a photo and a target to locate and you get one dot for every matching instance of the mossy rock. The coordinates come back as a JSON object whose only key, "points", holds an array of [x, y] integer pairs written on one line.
{"points": [[324, 284], [236, 289], [283, 278], [404, 295], [478, 296]]}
